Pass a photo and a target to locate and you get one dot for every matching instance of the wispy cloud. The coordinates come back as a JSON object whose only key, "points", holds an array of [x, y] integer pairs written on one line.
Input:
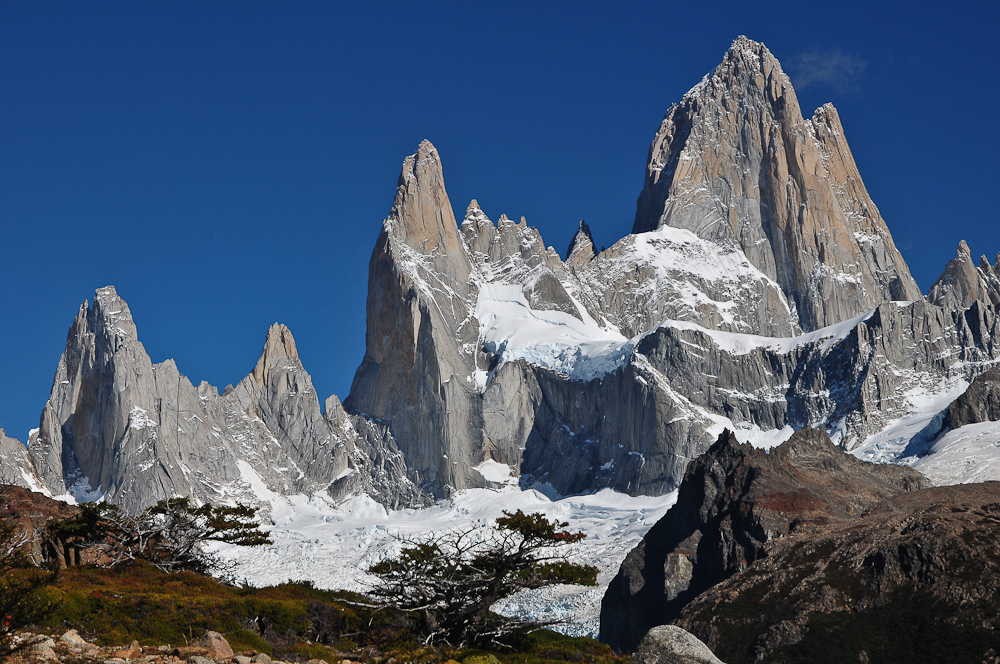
{"points": [[837, 69]]}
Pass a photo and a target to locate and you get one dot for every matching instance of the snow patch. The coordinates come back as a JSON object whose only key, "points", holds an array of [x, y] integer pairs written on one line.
{"points": [[737, 343], [511, 329], [494, 471], [964, 455]]}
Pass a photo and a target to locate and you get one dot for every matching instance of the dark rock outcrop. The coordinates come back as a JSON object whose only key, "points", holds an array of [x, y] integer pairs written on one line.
{"points": [[979, 403], [913, 579], [734, 500]]}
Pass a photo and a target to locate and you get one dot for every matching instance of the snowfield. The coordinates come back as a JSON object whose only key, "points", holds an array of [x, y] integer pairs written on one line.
{"points": [[334, 545]]}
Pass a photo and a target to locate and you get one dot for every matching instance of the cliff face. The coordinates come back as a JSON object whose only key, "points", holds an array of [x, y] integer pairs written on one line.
{"points": [[120, 427], [912, 579], [736, 164], [734, 500]]}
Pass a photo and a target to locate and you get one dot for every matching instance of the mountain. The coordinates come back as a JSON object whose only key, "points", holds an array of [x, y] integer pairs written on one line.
{"points": [[913, 579], [736, 164], [759, 292], [119, 427], [735, 499]]}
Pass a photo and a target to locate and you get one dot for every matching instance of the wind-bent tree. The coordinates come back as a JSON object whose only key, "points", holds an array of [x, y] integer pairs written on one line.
{"points": [[453, 579], [171, 534]]}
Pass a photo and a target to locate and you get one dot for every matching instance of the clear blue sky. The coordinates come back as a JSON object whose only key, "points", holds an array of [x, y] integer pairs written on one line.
{"points": [[227, 165]]}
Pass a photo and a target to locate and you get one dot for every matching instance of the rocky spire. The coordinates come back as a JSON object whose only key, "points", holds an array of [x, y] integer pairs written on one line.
{"points": [[961, 283], [422, 218], [15, 465], [421, 339], [118, 426], [736, 163], [581, 247]]}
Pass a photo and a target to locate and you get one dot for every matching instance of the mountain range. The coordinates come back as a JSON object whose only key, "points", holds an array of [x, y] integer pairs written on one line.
{"points": [[760, 291]]}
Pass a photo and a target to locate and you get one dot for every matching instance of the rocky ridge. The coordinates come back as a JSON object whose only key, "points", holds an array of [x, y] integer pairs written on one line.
{"points": [[913, 579], [120, 427], [735, 499], [760, 292]]}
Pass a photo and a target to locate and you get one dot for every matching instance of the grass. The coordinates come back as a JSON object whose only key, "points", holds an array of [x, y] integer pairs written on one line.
{"points": [[293, 621]]}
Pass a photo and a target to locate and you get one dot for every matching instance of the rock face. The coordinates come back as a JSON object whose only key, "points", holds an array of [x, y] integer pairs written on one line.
{"points": [[735, 163], [734, 500], [16, 467], [668, 644], [979, 403], [913, 579], [963, 283], [121, 427]]}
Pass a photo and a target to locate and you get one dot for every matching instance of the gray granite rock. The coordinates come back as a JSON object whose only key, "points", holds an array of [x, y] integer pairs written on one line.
{"points": [[963, 283], [735, 163], [117, 425], [979, 403], [667, 644], [16, 466]]}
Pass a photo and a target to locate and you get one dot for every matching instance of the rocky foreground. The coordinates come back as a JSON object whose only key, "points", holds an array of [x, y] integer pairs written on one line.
{"points": [[805, 553], [212, 648]]}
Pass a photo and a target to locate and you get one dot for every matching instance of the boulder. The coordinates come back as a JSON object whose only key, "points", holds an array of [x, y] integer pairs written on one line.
{"points": [[216, 645], [73, 638], [668, 644], [131, 652]]}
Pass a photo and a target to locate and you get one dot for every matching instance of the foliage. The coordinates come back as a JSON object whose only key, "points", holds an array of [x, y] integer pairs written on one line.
{"points": [[452, 579], [171, 534], [292, 621], [20, 581]]}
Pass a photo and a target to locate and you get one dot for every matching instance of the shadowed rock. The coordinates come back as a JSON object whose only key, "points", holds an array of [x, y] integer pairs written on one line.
{"points": [[733, 501]]}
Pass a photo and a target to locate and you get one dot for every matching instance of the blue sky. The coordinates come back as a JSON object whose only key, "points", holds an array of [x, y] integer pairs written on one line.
{"points": [[227, 165]]}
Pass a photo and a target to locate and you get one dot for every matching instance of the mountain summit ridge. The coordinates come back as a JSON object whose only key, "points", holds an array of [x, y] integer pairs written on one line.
{"points": [[761, 292], [736, 163]]}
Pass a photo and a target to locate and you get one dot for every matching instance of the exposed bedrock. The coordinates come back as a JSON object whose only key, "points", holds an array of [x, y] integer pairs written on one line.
{"points": [[734, 500], [736, 163]]}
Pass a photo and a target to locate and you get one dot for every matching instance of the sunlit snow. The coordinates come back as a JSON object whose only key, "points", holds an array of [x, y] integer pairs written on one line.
{"points": [[333, 545]]}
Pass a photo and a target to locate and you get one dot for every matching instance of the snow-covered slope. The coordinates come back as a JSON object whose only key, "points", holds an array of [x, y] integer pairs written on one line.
{"points": [[333, 545]]}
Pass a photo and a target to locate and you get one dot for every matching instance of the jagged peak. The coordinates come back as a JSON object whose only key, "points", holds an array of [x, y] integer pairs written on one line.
{"points": [[110, 314], [743, 56], [581, 247], [279, 350], [474, 216], [422, 217], [421, 213], [960, 284], [280, 343]]}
